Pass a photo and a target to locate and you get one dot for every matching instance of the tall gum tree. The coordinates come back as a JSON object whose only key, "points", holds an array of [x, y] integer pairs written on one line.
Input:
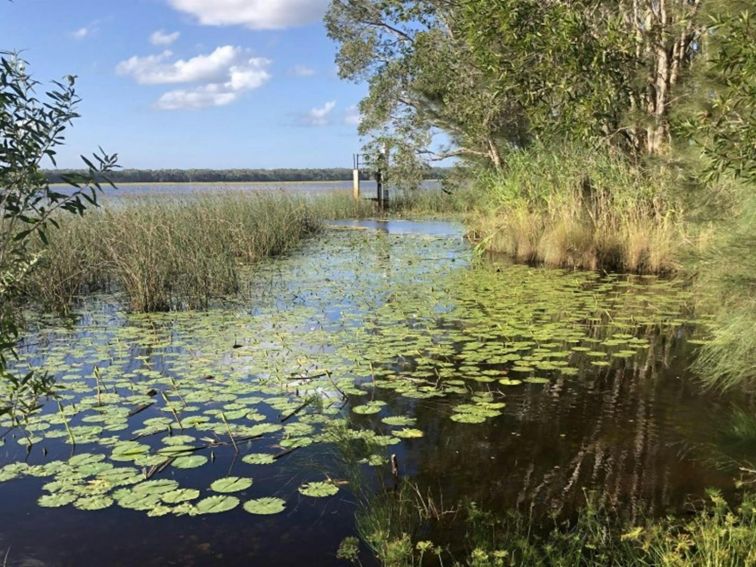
{"points": [[496, 74], [422, 78], [601, 70]]}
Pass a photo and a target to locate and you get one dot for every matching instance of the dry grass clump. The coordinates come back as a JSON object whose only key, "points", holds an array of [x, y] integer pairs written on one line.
{"points": [[581, 211]]}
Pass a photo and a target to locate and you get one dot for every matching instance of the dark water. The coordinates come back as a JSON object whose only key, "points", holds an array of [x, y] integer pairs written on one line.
{"points": [[400, 313]]}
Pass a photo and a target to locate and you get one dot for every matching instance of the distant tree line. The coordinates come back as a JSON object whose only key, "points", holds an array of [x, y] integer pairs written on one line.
{"points": [[227, 175]]}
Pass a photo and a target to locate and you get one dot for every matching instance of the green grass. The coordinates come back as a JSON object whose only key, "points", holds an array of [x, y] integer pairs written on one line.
{"points": [[183, 253], [716, 534], [180, 253], [582, 209]]}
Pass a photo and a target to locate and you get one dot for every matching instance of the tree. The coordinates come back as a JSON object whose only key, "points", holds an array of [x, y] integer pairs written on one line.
{"points": [[722, 119], [496, 74], [592, 70], [422, 79], [31, 129]]}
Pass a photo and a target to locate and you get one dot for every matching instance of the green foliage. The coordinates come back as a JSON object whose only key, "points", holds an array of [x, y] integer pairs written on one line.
{"points": [[349, 550], [422, 79], [579, 208], [567, 66], [498, 74], [723, 121], [716, 535], [726, 286], [31, 130]]}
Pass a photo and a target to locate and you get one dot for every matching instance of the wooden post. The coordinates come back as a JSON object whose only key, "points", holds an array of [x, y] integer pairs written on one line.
{"points": [[379, 187], [356, 177]]}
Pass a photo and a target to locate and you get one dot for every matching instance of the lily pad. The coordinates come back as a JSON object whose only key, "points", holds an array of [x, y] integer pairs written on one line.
{"points": [[265, 506], [190, 462], [216, 504], [318, 489], [259, 459], [231, 484]]}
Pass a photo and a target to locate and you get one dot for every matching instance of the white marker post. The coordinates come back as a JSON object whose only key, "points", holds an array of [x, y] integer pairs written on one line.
{"points": [[356, 177]]}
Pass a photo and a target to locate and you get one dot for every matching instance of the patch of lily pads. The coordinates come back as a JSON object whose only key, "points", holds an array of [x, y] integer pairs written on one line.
{"points": [[146, 399]]}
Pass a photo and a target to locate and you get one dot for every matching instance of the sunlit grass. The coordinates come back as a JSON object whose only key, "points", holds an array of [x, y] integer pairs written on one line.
{"points": [[582, 210], [177, 253]]}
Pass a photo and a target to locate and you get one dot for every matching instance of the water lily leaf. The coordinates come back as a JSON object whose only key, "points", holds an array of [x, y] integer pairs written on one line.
{"points": [[231, 484], [369, 408], [180, 495], [216, 504], [190, 462], [318, 489], [57, 499], [265, 506], [399, 420], [259, 459], [159, 511], [178, 440], [409, 433], [467, 418], [157, 486], [91, 503]]}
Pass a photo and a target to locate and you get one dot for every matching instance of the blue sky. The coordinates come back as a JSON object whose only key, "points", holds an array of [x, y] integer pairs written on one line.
{"points": [[193, 83]]}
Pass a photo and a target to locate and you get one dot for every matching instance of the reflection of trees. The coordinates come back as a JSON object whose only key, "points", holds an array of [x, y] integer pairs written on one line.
{"points": [[616, 434], [619, 432]]}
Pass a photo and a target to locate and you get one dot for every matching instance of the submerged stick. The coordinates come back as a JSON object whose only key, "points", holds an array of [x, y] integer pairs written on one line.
{"points": [[296, 411]]}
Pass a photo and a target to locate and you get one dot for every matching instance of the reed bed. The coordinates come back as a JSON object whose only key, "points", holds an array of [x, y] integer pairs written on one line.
{"points": [[178, 253], [582, 210]]}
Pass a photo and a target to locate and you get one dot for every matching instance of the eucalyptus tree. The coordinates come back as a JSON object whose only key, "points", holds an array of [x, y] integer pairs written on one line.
{"points": [[600, 70], [722, 117], [31, 130], [422, 79], [494, 74]]}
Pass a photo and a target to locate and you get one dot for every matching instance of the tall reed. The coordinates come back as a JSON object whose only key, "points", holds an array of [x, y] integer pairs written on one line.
{"points": [[579, 209], [169, 254]]}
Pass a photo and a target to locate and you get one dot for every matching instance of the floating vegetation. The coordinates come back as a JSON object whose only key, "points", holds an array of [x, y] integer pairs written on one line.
{"points": [[318, 489], [265, 506], [231, 484], [144, 399]]}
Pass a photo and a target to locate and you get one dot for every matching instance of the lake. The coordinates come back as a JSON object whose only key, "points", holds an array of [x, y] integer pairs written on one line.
{"points": [[180, 190], [250, 434]]}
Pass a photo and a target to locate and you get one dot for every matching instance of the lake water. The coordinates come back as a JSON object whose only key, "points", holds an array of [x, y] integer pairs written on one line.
{"points": [[509, 386], [176, 190]]}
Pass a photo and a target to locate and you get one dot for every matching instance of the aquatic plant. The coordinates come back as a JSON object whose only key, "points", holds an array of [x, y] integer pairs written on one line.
{"points": [[582, 209], [175, 413], [177, 253]]}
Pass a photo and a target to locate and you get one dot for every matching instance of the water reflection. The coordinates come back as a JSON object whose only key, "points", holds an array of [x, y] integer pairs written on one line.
{"points": [[397, 312]]}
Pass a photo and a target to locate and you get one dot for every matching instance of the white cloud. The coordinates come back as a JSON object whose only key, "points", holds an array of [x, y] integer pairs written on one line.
{"points": [[320, 116], [158, 70], [224, 75], [302, 71], [254, 14], [82, 32], [161, 37], [352, 116]]}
